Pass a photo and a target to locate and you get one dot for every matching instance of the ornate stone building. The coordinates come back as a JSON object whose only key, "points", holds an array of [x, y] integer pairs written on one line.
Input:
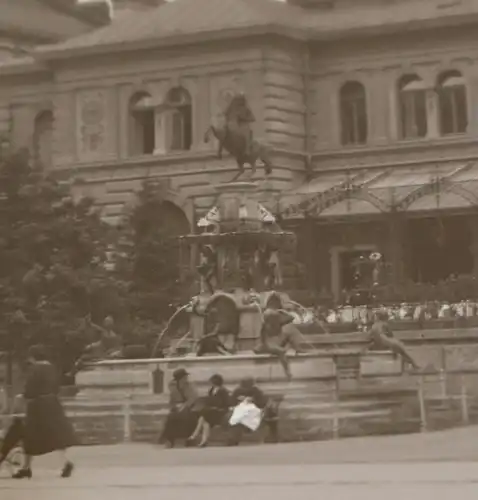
{"points": [[370, 106]]}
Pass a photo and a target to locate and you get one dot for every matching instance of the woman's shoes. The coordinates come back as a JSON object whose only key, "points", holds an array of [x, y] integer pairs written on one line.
{"points": [[67, 470], [202, 444], [25, 473]]}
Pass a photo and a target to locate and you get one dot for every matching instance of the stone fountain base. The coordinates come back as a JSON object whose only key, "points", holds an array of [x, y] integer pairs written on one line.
{"points": [[335, 393], [152, 376], [127, 400]]}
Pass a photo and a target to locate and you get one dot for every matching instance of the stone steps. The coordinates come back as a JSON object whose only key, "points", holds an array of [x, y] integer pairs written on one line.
{"points": [[301, 419], [310, 411], [303, 416]]}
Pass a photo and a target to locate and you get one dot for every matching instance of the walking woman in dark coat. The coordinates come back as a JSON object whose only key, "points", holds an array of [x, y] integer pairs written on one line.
{"points": [[46, 427], [216, 407]]}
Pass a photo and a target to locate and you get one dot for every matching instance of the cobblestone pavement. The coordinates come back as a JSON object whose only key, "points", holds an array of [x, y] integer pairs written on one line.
{"points": [[441, 466]]}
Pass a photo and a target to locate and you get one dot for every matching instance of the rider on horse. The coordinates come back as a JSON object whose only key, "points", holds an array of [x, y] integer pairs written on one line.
{"points": [[240, 116]]}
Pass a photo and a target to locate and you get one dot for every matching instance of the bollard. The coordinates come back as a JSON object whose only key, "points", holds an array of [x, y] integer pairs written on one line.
{"points": [[335, 415], [421, 403], [443, 383], [127, 422], [464, 401], [336, 419]]}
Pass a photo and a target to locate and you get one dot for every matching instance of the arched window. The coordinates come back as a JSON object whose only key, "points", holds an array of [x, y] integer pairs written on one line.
{"points": [[353, 113], [413, 107], [142, 124], [452, 104], [180, 125], [43, 138]]}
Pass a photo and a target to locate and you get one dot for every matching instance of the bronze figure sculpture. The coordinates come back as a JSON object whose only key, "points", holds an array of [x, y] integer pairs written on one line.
{"points": [[236, 137]]}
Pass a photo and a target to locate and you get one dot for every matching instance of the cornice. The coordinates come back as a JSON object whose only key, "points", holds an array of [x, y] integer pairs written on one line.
{"points": [[299, 33], [50, 53]]}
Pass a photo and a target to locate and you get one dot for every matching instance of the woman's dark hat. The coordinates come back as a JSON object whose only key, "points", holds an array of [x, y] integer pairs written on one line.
{"points": [[37, 352], [247, 381], [180, 373], [217, 379]]}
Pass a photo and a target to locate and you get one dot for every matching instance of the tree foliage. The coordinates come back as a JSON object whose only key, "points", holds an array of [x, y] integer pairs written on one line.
{"points": [[59, 263], [149, 261], [53, 251]]}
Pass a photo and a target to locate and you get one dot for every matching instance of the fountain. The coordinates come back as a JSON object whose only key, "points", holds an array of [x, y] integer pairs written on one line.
{"points": [[239, 266], [334, 391], [237, 254], [238, 250]]}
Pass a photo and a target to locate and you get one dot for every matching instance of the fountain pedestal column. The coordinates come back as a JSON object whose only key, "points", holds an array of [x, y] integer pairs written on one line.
{"points": [[239, 246], [238, 207], [238, 213]]}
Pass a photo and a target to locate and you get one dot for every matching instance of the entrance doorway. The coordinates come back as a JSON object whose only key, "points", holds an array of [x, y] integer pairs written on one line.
{"points": [[343, 267]]}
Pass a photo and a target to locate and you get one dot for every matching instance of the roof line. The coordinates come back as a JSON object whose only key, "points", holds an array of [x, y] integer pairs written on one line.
{"points": [[415, 25], [301, 33], [22, 67], [50, 53], [38, 35]]}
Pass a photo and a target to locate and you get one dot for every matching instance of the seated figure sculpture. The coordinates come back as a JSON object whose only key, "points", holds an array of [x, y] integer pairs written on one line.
{"points": [[108, 346], [381, 336], [214, 326], [278, 333]]}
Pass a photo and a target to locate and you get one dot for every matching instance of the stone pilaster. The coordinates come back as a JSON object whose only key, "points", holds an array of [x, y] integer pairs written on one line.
{"points": [[394, 252]]}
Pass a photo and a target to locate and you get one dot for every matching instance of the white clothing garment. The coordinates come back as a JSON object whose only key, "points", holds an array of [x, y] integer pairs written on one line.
{"points": [[246, 414]]}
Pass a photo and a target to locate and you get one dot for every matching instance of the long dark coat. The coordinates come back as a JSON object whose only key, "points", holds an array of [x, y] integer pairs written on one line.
{"points": [[46, 427], [216, 406]]}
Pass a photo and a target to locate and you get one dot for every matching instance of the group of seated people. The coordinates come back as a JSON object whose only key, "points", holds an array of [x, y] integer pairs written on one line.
{"points": [[191, 418]]}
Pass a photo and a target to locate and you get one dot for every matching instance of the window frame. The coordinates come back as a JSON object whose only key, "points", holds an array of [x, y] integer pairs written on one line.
{"points": [[353, 114], [453, 93], [412, 98]]}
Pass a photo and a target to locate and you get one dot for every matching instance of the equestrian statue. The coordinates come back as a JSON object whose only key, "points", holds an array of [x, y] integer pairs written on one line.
{"points": [[235, 136]]}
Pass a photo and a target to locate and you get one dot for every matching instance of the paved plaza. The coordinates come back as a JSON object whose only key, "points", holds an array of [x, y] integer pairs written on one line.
{"points": [[439, 466]]}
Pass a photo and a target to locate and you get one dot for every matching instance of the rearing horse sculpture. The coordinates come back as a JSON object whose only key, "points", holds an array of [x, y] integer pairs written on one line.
{"points": [[236, 136], [234, 146]]}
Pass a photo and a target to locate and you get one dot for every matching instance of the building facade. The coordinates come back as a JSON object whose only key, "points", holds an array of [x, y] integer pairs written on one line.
{"points": [[370, 107]]}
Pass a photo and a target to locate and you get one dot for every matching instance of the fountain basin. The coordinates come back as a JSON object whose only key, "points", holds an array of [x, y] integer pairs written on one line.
{"points": [[151, 376]]}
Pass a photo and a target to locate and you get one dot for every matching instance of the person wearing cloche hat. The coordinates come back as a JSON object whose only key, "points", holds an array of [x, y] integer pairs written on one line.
{"points": [[181, 420], [180, 374], [216, 407]]}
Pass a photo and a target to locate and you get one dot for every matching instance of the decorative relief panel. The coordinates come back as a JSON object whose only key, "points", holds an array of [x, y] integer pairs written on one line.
{"points": [[91, 124]]}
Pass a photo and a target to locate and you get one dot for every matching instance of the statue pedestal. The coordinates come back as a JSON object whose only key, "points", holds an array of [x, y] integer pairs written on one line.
{"points": [[238, 207], [249, 329]]}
